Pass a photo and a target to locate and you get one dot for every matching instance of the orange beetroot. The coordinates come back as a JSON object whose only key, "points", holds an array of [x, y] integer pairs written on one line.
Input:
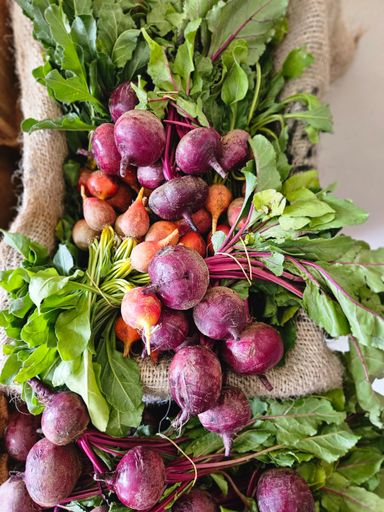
{"points": [[126, 334], [135, 221], [143, 253], [101, 185], [84, 176], [218, 200], [97, 213], [194, 241], [160, 229]]}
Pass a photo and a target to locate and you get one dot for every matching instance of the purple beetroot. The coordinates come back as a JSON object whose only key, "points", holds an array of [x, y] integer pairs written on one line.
{"points": [[230, 415], [195, 501], [180, 276], [140, 139], [259, 349], [220, 314], [170, 331], [139, 480], [195, 380], [283, 490], [235, 150], [199, 151], [65, 416], [104, 149], [178, 198], [14, 496], [151, 176], [122, 99], [21, 434]]}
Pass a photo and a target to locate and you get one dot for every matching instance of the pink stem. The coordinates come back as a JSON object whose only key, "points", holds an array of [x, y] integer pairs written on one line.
{"points": [[98, 466], [179, 123]]}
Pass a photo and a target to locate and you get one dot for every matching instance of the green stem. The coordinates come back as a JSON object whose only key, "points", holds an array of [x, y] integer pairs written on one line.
{"points": [[256, 94]]}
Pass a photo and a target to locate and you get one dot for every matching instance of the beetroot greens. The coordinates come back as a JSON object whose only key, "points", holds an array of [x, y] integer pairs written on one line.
{"points": [[122, 99], [220, 314], [195, 380], [230, 415], [180, 276]]}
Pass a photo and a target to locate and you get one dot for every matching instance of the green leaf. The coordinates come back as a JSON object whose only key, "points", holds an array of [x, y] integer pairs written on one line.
{"points": [[304, 203], [299, 180], [331, 444], [63, 260], [204, 444], [38, 329], [83, 34], [70, 90], [32, 252], [296, 63], [73, 330], [361, 465], [10, 369], [269, 202], [338, 496], [321, 249], [184, 61], [29, 397], [275, 263], [217, 240], [235, 85], [250, 441], [221, 482], [268, 176], [194, 9], [68, 122], [347, 213], [48, 282], [39, 360], [124, 47], [112, 22], [119, 424], [158, 67], [253, 20]]}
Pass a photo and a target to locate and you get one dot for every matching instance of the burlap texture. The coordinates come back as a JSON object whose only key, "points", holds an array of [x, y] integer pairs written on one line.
{"points": [[310, 367]]}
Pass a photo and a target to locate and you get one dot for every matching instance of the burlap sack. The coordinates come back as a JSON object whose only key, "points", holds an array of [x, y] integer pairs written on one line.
{"points": [[311, 367]]}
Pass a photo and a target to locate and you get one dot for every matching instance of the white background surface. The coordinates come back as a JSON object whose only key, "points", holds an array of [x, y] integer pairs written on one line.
{"points": [[354, 155]]}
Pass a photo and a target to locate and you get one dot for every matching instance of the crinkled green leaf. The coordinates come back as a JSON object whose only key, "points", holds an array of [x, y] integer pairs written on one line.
{"points": [[184, 61], [158, 67], [39, 360], [124, 47], [268, 176], [361, 465], [331, 444]]}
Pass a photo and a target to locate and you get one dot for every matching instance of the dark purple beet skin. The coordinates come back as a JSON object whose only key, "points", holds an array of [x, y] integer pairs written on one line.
{"points": [[195, 380], [21, 434], [195, 501], [259, 349], [283, 490], [64, 418], [170, 331], [180, 276], [140, 139], [199, 151], [230, 415], [151, 176], [235, 151], [51, 472], [178, 198], [122, 99], [140, 478], [104, 149], [221, 314], [14, 496], [101, 508]]}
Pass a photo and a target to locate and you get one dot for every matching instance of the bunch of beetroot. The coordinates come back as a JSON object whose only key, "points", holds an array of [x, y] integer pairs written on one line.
{"points": [[51, 464]]}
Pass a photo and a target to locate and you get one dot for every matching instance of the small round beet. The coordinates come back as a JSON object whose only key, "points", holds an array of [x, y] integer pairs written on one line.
{"points": [[104, 149], [83, 235], [198, 152], [195, 501], [233, 213], [140, 139], [14, 496], [201, 219], [235, 150], [151, 176], [194, 241], [220, 314], [122, 199], [98, 213], [195, 380], [140, 478], [51, 472], [170, 331], [281, 489], [159, 230], [101, 185], [259, 349], [21, 434], [122, 99], [230, 415], [180, 276]]}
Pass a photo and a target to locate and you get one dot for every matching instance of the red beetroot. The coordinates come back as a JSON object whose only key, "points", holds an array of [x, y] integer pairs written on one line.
{"points": [[14, 496], [139, 480], [281, 489], [21, 434], [233, 213], [221, 314], [230, 415], [224, 229], [122, 199], [170, 331], [83, 235], [51, 472], [101, 185], [122, 99], [140, 138], [194, 241], [135, 221], [143, 253], [195, 381], [259, 349], [97, 213], [141, 310], [195, 501], [151, 176], [201, 219], [160, 229], [83, 179], [104, 149], [235, 150], [198, 152]]}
